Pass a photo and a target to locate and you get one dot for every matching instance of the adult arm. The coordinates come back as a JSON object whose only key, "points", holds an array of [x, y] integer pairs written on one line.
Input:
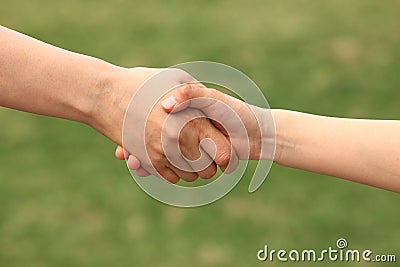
{"points": [[40, 78]]}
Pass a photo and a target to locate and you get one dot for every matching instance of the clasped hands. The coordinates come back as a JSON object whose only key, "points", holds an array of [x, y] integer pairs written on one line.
{"points": [[220, 119]]}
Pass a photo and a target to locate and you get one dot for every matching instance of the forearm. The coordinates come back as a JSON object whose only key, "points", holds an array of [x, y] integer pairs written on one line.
{"points": [[364, 151], [39, 78]]}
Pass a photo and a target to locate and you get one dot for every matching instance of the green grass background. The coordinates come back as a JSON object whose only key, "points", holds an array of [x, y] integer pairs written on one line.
{"points": [[65, 200]]}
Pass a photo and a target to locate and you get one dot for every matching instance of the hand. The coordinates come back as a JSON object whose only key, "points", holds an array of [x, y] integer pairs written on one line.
{"points": [[189, 138], [257, 121], [260, 128]]}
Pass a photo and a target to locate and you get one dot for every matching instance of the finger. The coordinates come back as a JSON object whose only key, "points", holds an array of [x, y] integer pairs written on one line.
{"points": [[133, 163], [208, 172], [186, 173], [186, 176], [177, 153], [181, 97], [141, 172], [198, 158], [119, 153], [160, 167], [225, 155], [169, 175], [189, 144]]}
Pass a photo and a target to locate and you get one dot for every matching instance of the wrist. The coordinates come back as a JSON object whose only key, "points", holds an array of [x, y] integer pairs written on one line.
{"points": [[267, 134], [107, 102], [283, 120], [111, 95]]}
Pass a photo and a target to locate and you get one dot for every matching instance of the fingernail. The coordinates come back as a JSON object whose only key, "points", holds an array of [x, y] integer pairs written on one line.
{"points": [[169, 102]]}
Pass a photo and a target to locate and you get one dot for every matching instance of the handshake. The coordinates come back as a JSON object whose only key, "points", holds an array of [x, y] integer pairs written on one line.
{"points": [[191, 129], [187, 130]]}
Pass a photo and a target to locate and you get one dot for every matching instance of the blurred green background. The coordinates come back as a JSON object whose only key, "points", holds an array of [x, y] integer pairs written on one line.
{"points": [[65, 200]]}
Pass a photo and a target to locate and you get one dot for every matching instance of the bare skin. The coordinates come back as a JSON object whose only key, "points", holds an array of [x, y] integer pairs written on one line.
{"points": [[39, 78], [363, 151]]}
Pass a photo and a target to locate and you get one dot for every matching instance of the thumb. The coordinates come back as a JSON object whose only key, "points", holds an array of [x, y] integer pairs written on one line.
{"points": [[182, 96]]}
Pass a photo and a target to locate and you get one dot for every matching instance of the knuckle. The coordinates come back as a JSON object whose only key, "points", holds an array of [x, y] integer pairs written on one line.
{"points": [[223, 158], [157, 159], [185, 91]]}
